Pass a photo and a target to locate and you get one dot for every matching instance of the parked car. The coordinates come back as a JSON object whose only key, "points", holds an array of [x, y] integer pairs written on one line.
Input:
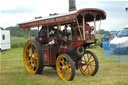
{"points": [[119, 44], [108, 37]]}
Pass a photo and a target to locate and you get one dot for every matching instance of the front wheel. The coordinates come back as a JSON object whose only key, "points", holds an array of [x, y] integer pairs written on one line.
{"points": [[89, 64], [65, 67]]}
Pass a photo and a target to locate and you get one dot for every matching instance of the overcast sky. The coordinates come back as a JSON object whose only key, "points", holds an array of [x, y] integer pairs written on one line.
{"points": [[13, 12]]}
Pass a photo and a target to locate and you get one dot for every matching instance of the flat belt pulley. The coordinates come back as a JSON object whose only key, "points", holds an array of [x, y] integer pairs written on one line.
{"points": [[79, 51]]}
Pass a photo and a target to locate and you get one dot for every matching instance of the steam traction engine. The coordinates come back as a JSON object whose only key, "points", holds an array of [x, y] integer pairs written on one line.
{"points": [[61, 43]]}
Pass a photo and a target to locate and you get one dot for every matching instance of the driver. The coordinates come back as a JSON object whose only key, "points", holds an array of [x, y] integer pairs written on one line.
{"points": [[43, 32], [43, 35], [59, 36], [65, 34]]}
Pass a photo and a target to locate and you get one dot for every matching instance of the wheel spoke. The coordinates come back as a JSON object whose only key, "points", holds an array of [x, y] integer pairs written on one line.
{"points": [[33, 49], [30, 52], [62, 62], [83, 62], [27, 50], [68, 75], [69, 69], [92, 61], [93, 65], [35, 58], [84, 57], [35, 55], [86, 68], [61, 67], [67, 63], [28, 62], [89, 58], [32, 60], [91, 68], [62, 71], [35, 62], [31, 68]]}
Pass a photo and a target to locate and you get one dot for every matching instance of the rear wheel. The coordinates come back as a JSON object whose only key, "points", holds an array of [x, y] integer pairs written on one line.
{"points": [[32, 57], [65, 67], [89, 64]]}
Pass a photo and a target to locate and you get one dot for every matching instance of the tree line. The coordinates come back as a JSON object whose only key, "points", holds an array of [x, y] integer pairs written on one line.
{"points": [[18, 32]]}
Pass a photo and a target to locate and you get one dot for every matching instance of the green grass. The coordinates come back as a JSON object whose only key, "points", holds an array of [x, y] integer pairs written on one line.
{"points": [[18, 42], [98, 36], [12, 72]]}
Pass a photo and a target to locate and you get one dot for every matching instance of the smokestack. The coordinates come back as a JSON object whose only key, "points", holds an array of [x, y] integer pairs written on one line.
{"points": [[72, 5]]}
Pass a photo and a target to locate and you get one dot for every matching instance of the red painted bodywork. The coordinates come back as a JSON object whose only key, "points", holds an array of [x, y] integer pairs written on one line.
{"points": [[63, 48], [45, 56], [75, 44], [76, 38], [49, 54], [53, 52]]}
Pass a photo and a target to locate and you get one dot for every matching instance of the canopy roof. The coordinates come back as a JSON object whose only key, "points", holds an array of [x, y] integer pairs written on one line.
{"points": [[88, 13]]}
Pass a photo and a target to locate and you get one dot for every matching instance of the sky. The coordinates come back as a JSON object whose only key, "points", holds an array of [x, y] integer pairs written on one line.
{"points": [[13, 12]]}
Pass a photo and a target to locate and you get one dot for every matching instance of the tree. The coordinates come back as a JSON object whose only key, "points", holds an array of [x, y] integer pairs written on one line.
{"points": [[18, 32], [1, 28], [102, 31]]}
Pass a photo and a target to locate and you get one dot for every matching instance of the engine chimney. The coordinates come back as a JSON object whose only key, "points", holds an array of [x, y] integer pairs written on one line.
{"points": [[72, 5]]}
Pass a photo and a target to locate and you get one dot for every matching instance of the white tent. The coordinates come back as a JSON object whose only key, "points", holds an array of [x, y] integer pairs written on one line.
{"points": [[4, 39]]}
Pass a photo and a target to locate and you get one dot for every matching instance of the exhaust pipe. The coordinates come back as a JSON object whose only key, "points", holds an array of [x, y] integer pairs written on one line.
{"points": [[72, 5]]}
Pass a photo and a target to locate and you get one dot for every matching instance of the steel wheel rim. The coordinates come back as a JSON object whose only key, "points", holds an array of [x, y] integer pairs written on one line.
{"points": [[63, 67], [31, 58], [88, 64]]}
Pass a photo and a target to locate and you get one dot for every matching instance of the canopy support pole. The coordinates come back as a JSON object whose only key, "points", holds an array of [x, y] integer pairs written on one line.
{"points": [[84, 28], [95, 25], [29, 34], [47, 32], [79, 29], [99, 25], [59, 27], [38, 28]]}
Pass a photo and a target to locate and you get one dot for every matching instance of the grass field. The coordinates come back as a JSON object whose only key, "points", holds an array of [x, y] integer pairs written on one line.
{"points": [[18, 42], [12, 72]]}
